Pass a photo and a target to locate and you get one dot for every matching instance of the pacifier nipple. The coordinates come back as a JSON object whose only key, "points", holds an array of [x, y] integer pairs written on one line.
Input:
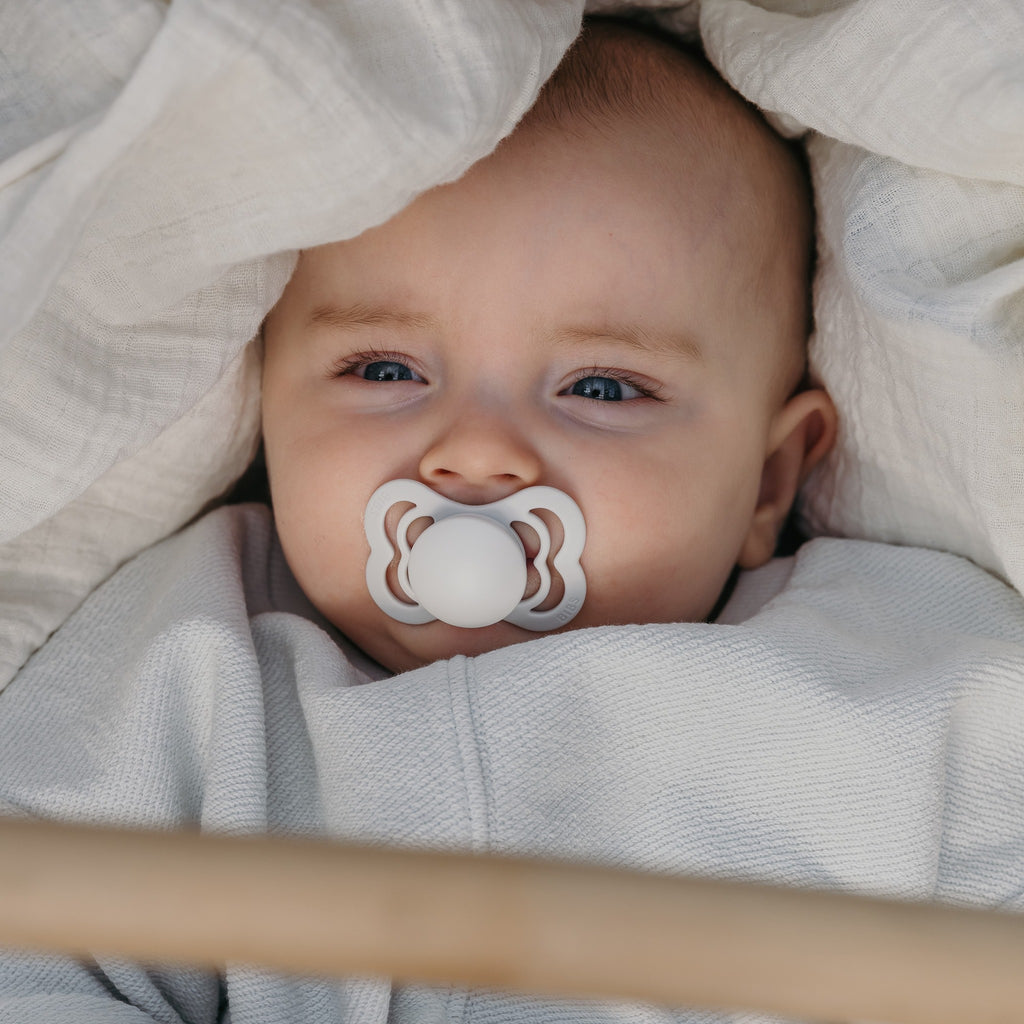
{"points": [[469, 567], [468, 570]]}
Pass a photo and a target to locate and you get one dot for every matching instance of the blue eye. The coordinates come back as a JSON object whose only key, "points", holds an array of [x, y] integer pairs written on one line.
{"points": [[604, 389], [387, 370], [376, 367]]}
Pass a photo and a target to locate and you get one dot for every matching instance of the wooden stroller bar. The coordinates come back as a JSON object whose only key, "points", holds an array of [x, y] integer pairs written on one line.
{"points": [[325, 908]]}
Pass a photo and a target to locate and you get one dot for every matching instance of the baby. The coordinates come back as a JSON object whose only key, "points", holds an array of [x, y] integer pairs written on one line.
{"points": [[614, 303]]}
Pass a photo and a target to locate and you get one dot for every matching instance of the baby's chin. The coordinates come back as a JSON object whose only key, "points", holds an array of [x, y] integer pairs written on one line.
{"points": [[400, 647]]}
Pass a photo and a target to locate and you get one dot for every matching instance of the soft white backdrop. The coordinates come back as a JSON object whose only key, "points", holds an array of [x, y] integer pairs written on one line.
{"points": [[162, 163]]}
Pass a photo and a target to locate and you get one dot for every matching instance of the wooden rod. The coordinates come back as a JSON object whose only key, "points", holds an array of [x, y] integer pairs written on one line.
{"points": [[324, 908]]}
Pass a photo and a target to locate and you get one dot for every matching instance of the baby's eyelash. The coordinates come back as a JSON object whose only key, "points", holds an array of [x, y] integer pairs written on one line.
{"points": [[648, 388], [345, 366]]}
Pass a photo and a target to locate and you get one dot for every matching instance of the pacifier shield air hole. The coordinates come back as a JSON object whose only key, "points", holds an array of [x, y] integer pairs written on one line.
{"points": [[469, 568]]}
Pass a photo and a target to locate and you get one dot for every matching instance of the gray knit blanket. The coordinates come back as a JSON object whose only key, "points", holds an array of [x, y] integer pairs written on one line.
{"points": [[853, 722]]}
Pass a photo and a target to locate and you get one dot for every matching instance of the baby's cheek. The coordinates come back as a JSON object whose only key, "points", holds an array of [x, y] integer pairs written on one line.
{"points": [[660, 569]]}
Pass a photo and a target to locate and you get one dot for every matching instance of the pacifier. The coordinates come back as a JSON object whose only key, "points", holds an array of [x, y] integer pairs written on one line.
{"points": [[469, 567]]}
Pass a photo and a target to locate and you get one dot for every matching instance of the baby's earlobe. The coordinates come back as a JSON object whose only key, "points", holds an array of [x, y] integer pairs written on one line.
{"points": [[801, 435], [821, 425]]}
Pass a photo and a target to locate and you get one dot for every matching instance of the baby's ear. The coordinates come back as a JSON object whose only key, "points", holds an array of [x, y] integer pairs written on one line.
{"points": [[802, 432]]}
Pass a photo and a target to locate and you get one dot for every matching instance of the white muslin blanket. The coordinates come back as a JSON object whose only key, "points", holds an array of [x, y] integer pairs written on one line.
{"points": [[160, 163], [197, 686]]}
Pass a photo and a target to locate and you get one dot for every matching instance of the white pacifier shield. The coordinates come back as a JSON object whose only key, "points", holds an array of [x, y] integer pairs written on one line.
{"points": [[469, 567], [468, 570]]}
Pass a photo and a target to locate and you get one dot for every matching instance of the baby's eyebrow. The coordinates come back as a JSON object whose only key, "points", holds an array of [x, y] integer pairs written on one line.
{"points": [[361, 315], [632, 336]]}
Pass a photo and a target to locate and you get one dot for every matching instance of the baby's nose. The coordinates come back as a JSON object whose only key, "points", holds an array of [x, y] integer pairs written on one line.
{"points": [[480, 456]]}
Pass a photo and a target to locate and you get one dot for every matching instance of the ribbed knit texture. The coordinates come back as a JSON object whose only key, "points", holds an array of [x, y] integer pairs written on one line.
{"points": [[860, 732]]}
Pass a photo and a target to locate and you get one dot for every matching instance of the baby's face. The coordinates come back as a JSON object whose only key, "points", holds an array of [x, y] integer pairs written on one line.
{"points": [[572, 312]]}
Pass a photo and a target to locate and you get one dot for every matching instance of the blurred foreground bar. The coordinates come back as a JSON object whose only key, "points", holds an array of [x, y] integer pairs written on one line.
{"points": [[324, 908]]}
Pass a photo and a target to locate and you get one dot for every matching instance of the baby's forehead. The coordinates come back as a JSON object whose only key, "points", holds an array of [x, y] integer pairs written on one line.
{"points": [[642, 155], [717, 148]]}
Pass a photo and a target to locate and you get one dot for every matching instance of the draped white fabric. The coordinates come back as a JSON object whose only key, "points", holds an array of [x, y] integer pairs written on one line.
{"points": [[163, 162], [918, 161]]}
